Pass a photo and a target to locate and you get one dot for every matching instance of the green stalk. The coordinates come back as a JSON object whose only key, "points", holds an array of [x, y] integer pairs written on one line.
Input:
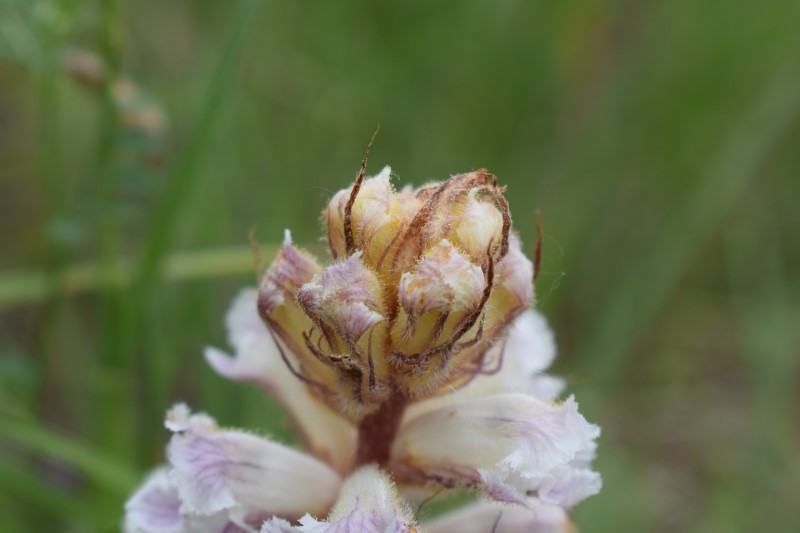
{"points": [[20, 288]]}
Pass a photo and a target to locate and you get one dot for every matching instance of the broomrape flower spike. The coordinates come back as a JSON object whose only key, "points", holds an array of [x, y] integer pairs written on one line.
{"points": [[410, 364]]}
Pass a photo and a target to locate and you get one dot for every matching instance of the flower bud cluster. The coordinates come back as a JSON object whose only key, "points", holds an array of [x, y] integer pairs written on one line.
{"points": [[421, 284], [428, 290]]}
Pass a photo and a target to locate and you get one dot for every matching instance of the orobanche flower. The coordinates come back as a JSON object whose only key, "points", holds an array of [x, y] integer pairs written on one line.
{"points": [[411, 364]]}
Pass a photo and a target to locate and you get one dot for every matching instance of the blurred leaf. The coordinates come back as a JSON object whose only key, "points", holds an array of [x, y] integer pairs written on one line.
{"points": [[176, 197], [19, 377], [108, 472], [28, 287], [648, 282], [26, 485]]}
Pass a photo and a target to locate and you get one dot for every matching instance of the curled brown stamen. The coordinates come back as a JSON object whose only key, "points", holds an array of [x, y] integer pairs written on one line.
{"points": [[316, 351], [504, 210], [296, 373], [417, 225], [349, 241]]}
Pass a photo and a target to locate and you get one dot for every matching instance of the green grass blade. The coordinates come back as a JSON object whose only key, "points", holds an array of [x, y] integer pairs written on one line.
{"points": [[105, 471], [732, 169], [30, 287], [180, 181]]}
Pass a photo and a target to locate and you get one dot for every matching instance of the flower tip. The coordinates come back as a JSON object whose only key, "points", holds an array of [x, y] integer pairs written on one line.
{"points": [[385, 173], [180, 418], [369, 501], [177, 418], [222, 363]]}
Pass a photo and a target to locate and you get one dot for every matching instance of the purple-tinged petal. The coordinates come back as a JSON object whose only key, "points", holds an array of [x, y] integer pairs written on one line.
{"points": [[346, 296], [369, 503], [512, 444], [495, 486], [291, 269], [258, 360], [248, 476], [156, 508], [569, 485]]}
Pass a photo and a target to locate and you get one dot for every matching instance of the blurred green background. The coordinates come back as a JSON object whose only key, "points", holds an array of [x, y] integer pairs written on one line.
{"points": [[141, 140]]}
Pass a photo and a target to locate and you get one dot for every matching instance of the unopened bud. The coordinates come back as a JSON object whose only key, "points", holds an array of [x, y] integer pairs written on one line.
{"points": [[444, 280], [345, 297], [290, 270]]}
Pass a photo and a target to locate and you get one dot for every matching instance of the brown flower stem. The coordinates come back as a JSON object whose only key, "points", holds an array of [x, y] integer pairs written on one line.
{"points": [[376, 432]]}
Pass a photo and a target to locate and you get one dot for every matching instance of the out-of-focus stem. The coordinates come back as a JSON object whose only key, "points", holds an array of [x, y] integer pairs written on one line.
{"points": [[29, 287]]}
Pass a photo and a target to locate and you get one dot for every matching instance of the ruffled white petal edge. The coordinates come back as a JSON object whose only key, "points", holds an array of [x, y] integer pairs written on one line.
{"points": [[249, 477], [485, 517], [511, 445], [156, 508], [369, 503], [278, 525], [257, 359]]}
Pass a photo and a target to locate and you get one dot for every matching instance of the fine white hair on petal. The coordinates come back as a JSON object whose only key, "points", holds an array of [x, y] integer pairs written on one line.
{"points": [[258, 360], [485, 517], [512, 444], [287, 272], [216, 470], [372, 210], [479, 224], [369, 503]]}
